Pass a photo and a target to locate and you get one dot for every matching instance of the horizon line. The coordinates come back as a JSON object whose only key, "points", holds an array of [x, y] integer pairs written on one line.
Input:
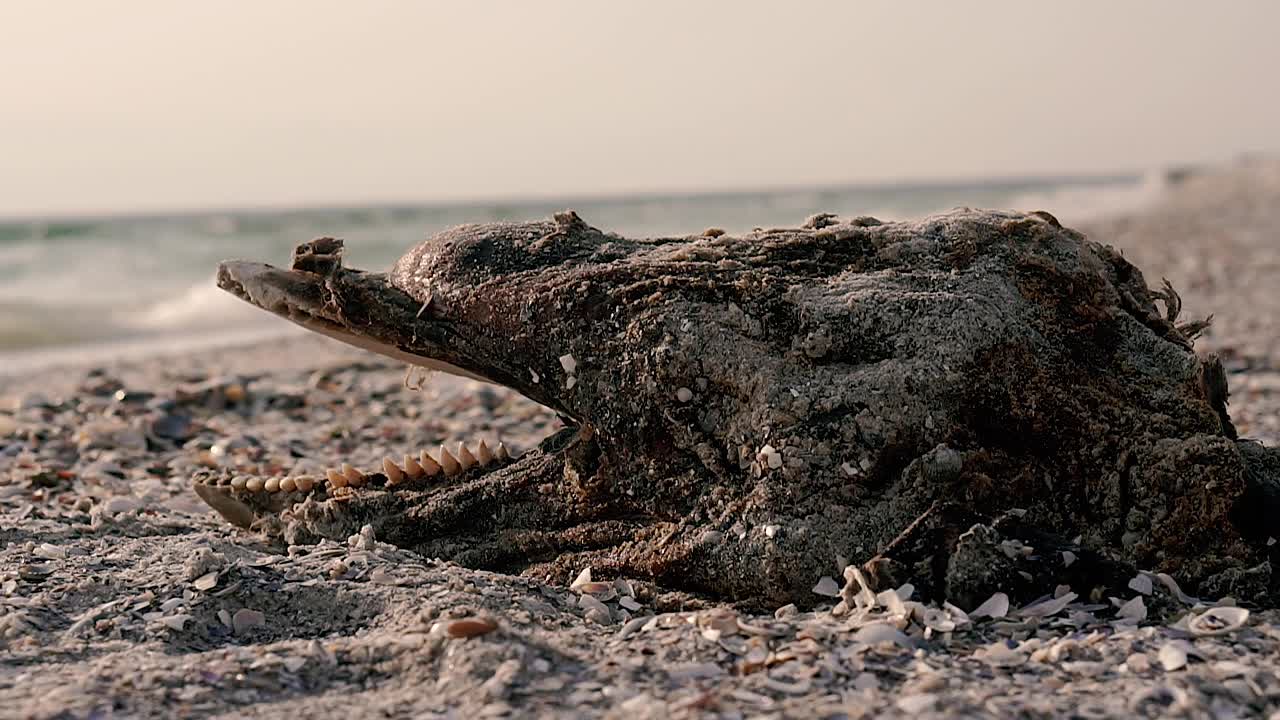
{"points": [[536, 200]]}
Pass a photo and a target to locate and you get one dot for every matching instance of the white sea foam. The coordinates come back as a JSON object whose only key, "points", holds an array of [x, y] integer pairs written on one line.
{"points": [[203, 306]]}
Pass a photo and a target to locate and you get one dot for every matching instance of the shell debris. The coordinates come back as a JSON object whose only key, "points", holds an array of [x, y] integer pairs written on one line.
{"points": [[468, 627]]}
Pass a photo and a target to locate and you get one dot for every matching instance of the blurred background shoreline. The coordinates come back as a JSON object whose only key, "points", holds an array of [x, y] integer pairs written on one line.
{"points": [[92, 289]]}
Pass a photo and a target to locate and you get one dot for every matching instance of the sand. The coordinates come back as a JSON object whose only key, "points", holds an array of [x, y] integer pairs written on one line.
{"points": [[122, 596]]}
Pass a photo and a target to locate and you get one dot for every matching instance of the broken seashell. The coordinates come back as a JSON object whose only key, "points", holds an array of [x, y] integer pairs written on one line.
{"points": [[483, 454], [1141, 583], [827, 587], [469, 627], [600, 589], [393, 472], [876, 633], [1173, 655], [1133, 611], [1218, 621], [1172, 586], [1048, 607], [465, 458], [939, 620], [448, 462], [206, 582], [583, 578], [892, 602]]}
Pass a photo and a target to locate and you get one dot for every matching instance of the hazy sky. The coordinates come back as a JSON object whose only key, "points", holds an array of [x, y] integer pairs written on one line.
{"points": [[154, 104]]}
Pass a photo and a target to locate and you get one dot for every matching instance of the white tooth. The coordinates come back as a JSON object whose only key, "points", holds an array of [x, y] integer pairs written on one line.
{"points": [[254, 484], [272, 485], [355, 478], [393, 472], [305, 482], [412, 468], [336, 478], [238, 482], [501, 453], [448, 462], [429, 464], [288, 484], [465, 458], [483, 454]]}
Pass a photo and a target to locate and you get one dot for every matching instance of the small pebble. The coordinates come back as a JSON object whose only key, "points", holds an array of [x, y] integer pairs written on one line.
{"points": [[244, 619]]}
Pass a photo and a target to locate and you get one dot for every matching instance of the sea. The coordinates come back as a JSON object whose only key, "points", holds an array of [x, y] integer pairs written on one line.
{"points": [[95, 289]]}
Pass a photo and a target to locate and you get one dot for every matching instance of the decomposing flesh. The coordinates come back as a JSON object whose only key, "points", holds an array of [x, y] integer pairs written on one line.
{"points": [[970, 402]]}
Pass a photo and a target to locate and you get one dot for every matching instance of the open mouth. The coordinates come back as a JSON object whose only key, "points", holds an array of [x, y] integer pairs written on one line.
{"points": [[305, 298], [245, 499]]}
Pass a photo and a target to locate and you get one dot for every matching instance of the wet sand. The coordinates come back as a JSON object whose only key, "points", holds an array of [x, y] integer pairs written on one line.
{"points": [[122, 595]]}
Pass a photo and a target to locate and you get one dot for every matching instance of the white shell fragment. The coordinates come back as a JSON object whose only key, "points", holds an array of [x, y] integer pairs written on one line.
{"points": [[568, 363], [1134, 611], [47, 551], [826, 587], [583, 578], [996, 606], [1172, 586], [206, 582], [875, 633], [1141, 583], [1218, 621], [1048, 607], [1173, 655]]}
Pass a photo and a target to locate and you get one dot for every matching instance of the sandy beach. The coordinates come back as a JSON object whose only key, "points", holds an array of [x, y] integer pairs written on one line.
{"points": [[123, 595]]}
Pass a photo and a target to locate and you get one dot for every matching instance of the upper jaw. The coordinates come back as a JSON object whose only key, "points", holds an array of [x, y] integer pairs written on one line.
{"points": [[365, 310]]}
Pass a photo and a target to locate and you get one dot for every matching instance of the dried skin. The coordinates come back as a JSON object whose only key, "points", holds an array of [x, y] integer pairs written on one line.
{"points": [[913, 381]]}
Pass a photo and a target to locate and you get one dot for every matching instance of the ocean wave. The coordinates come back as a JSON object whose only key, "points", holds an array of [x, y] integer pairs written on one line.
{"points": [[198, 309]]}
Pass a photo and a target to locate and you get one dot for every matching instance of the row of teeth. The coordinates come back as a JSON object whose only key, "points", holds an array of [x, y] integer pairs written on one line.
{"points": [[411, 468]]}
